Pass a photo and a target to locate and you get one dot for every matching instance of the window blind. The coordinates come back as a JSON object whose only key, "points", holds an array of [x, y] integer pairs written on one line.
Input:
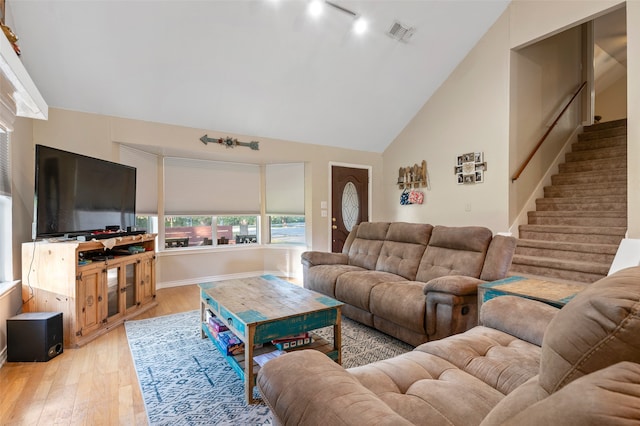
{"points": [[196, 187], [5, 173], [285, 189], [146, 165]]}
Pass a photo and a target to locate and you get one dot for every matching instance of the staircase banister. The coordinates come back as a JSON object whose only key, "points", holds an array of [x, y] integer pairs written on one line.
{"points": [[533, 152]]}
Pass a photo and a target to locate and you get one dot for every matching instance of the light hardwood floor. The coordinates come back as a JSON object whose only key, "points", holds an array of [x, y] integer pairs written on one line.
{"points": [[93, 385]]}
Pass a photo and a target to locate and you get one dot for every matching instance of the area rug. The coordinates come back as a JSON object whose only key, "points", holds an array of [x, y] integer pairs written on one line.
{"points": [[185, 381]]}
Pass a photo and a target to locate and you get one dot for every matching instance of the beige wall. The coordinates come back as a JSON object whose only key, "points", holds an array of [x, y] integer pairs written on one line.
{"points": [[99, 136], [471, 112], [468, 113], [633, 118], [544, 76], [611, 103]]}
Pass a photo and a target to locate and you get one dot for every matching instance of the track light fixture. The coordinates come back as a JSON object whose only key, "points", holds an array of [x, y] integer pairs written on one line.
{"points": [[316, 9]]}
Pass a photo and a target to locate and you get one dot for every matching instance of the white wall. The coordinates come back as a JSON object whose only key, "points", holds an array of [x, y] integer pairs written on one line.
{"points": [[98, 136]]}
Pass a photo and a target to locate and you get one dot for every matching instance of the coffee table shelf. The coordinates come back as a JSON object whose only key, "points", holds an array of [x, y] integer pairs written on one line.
{"points": [[261, 309]]}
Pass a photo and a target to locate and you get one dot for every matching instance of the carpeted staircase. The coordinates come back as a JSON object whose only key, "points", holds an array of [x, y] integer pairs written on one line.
{"points": [[575, 231]]}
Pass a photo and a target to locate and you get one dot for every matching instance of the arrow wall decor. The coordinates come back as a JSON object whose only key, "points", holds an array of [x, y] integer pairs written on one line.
{"points": [[230, 142]]}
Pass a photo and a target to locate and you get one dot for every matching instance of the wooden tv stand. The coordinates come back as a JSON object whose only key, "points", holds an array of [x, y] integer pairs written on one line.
{"points": [[93, 296]]}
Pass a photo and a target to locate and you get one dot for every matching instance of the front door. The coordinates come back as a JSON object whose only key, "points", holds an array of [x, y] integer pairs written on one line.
{"points": [[349, 202]]}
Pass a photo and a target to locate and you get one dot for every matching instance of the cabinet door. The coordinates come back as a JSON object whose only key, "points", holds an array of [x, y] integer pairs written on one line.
{"points": [[90, 292], [114, 285], [131, 273], [147, 277]]}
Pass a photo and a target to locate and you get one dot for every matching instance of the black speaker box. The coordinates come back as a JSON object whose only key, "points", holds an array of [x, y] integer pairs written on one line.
{"points": [[34, 336]]}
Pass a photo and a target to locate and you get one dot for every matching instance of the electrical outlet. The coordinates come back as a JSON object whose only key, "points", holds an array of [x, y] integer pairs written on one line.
{"points": [[467, 207]]}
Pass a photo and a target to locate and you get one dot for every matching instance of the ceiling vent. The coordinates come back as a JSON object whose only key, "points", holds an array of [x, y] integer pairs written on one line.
{"points": [[400, 32]]}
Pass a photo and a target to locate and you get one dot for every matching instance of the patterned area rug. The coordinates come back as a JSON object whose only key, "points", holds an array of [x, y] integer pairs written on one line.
{"points": [[185, 381]]}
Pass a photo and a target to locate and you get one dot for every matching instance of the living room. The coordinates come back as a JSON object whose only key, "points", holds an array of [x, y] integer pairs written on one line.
{"points": [[470, 111]]}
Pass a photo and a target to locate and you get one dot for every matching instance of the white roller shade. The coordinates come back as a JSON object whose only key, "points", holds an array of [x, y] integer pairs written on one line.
{"points": [[146, 165], [194, 187], [5, 174], [285, 189]]}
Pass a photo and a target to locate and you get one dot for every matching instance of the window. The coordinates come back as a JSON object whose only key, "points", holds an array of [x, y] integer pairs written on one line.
{"points": [[224, 197], [286, 229], [6, 267], [193, 231], [285, 203]]}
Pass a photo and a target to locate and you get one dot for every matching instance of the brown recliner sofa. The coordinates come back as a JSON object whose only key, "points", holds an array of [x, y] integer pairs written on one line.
{"points": [[413, 281], [527, 364]]}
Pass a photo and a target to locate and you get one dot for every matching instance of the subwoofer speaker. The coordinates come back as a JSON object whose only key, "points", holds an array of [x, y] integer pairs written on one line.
{"points": [[34, 336]]}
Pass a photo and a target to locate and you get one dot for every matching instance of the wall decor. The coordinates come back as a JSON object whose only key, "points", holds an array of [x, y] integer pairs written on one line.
{"points": [[230, 142], [470, 168], [413, 176]]}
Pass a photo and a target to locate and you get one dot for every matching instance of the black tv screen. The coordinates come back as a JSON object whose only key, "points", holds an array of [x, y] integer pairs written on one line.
{"points": [[76, 194]]}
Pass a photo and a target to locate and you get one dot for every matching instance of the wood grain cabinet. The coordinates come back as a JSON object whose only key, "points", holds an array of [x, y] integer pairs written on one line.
{"points": [[93, 293]]}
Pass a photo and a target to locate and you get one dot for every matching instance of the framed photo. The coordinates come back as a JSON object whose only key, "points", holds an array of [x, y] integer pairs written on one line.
{"points": [[470, 168]]}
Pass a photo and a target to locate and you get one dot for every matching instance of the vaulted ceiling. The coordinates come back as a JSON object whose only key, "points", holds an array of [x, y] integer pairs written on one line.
{"points": [[262, 68]]}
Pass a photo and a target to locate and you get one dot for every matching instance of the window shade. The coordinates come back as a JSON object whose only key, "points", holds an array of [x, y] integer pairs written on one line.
{"points": [[5, 174], [195, 187], [285, 189], [146, 165]]}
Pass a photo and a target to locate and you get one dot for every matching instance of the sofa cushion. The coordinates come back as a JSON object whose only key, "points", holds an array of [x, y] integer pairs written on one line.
{"points": [[599, 327], [605, 397], [499, 256], [365, 248], [401, 302], [403, 248], [419, 387], [355, 287], [454, 251], [500, 360], [322, 278]]}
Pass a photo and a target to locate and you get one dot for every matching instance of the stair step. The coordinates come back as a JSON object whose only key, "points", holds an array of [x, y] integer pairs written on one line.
{"points": [[604, 203], [602, 133], [584, 190], [567, 265], [598, 253], [563, 274], [574, 234], [614, 141], [601, 165], [570, 237], [576, 220], [586, 230], [622, 122], [597, 154], [591, 176]]}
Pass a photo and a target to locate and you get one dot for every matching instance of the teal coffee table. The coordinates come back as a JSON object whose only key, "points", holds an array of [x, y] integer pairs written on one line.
{"points": [[261, 309]]}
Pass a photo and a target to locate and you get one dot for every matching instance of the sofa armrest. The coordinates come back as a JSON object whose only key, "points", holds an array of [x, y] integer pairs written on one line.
{"points": [[313, 258], [307, 387], [458, 285], [609, 396], [523, 318]]}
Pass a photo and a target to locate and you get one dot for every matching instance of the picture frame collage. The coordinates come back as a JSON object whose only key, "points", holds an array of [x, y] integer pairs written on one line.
{"points": [[470, 168]]}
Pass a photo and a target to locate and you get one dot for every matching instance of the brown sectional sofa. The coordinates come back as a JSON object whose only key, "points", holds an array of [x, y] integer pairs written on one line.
{"points": [[527, 364], [413, 281]]}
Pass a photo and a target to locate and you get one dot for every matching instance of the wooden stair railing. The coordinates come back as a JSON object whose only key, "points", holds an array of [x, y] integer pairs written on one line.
{"points": [[544, 137]]}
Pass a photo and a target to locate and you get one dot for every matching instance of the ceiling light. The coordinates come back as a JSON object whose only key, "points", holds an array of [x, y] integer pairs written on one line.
{"points": [[315, 8], [360, 25]]}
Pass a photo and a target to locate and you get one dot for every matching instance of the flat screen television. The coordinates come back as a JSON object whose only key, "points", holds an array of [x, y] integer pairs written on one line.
{"points": [[76, 194]]}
